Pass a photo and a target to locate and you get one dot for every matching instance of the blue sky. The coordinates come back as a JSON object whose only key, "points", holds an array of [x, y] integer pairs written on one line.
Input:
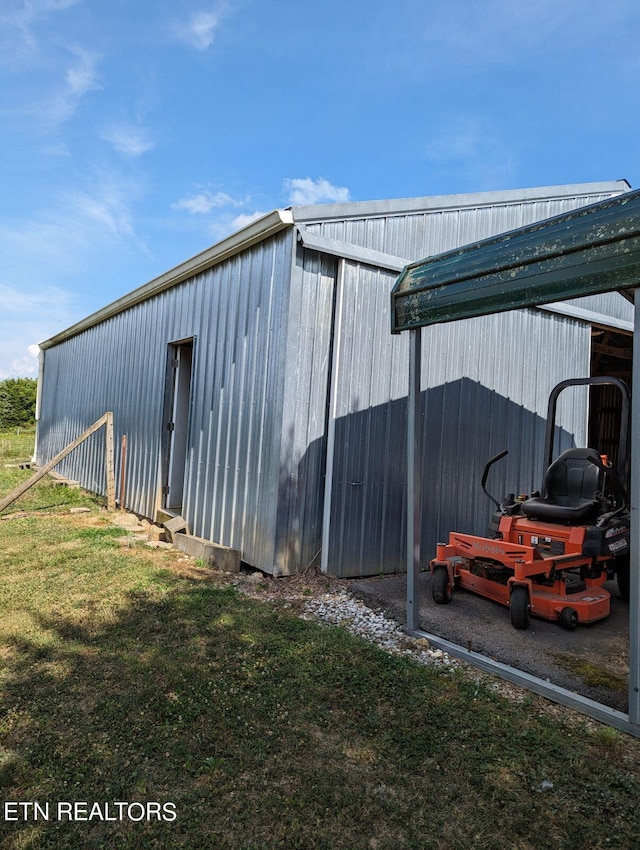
{"points": [[136, 133]]}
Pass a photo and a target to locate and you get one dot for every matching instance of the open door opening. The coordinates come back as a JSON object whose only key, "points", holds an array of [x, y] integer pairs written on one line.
{"points": [[612, 356], [176, 423]]}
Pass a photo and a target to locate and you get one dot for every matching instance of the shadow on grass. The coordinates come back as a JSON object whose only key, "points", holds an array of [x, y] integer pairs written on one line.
{"points": [[266, 731]]}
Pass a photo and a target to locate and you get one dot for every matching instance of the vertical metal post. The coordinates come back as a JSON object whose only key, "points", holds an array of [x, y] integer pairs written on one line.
{"points": [[40, 385], [634, 585], [123, 471], [414, 484], [331, 419]]}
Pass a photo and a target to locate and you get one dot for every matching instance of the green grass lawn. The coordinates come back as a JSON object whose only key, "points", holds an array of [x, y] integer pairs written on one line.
{"points": [[129, 675]]}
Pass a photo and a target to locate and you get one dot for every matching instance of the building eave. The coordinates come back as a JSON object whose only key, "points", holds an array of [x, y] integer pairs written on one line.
{"points": [[469, 200], [255, 232]]}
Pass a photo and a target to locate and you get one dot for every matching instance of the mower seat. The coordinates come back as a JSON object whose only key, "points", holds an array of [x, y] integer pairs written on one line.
{"points": [[573, 486]]}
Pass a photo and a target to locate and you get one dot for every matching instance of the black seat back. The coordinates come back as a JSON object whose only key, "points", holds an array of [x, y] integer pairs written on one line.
{"points": [[573, 487], [573, 479]]}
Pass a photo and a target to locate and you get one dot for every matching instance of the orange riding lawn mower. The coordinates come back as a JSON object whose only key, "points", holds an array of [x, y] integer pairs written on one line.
{"points": [[550, 554]]}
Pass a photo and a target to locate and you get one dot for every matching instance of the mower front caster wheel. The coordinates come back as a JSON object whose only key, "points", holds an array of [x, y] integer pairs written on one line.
{"points": [[569, 619], [519, 607], [441, 588]]}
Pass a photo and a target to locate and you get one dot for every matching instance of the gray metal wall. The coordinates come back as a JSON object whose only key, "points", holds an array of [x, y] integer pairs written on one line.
{"points": [[485, 388], [238, 314], [306, 366], [610, 304], [418, 234]]}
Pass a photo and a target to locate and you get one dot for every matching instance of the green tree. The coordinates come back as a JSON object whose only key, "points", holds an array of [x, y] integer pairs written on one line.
{"points": [[17, 402]]}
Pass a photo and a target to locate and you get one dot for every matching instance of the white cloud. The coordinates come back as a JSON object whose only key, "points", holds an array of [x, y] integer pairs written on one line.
{"points": [[80, 78], [225, 225], [80, 222], [25, 366], [241, 221], [108, 209], [128, 140], [303, 191], [199, 30], [85, 227], [18, 42], [18, 302], [205, 201]]}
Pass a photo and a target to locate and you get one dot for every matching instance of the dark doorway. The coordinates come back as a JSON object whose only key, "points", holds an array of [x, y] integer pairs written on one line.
{"points": [[612, 356], [177, 405]]}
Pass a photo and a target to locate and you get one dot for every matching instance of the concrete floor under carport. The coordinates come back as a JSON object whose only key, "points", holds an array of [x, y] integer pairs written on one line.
{"points": [[484, 627]]}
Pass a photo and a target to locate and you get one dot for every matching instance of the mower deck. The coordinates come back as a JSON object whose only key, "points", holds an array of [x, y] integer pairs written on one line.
{"points": [[559, 583], [591, 604]]}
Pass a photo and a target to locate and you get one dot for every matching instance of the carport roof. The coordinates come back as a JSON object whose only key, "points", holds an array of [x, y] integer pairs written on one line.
{"points": [[589, 250]]}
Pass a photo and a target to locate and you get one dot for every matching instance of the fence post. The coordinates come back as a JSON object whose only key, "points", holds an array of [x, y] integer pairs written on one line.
{"points": [[110, 473]]}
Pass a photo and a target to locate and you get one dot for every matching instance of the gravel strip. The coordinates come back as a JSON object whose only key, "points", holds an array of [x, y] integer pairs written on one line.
{"points": [[340, 608]]}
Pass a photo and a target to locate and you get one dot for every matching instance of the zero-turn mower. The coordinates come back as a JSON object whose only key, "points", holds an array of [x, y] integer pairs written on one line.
{"points": [[549, 554]]}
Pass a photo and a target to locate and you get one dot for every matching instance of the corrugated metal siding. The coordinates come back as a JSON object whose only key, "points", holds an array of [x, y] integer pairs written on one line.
{"points": [[608, 304], [485, 383], [486, 388], [237, 315], [423, 234], [307, 366]]}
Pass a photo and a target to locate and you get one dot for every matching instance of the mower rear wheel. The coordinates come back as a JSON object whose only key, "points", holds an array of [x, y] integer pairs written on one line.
{"points": [[519, 607], [441, 588], [569, 618]]}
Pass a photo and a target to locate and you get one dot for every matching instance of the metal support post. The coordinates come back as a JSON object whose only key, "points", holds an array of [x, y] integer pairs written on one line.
{"points": [[414, 484], [634, 584]]}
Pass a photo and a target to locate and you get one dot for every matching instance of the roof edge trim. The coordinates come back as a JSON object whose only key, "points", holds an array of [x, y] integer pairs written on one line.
{"points": [[257, 231], [466, 200]]}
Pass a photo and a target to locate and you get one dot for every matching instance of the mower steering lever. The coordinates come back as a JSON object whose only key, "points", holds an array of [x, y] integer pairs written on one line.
{"points": [[485, 475]]}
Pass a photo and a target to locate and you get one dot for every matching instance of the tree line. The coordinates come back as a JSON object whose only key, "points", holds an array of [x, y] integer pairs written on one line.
{"points": [[17, 402]]}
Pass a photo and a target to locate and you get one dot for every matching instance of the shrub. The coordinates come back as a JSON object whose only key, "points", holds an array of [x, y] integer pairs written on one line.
{"points": [[17, 402]]}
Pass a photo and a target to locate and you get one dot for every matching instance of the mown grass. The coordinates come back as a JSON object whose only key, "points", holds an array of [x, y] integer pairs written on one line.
{"points": [[128, 674], [17, 444]]}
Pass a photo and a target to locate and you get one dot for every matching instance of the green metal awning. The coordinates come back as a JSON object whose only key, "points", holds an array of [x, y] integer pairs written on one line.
{"points": [[589, 250]]}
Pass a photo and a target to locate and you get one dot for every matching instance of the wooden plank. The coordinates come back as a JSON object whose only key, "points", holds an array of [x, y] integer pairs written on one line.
{"points": [[26, 485], [110, 473], [62, 480]]}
